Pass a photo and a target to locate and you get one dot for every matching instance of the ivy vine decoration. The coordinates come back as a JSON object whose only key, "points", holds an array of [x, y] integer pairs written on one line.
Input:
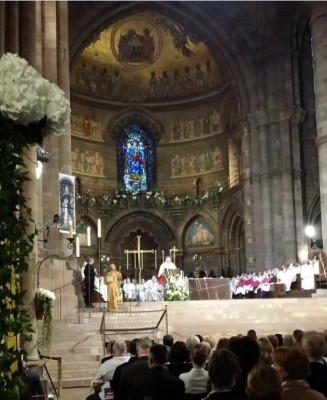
{"points": [[31, 108], [45, 298]]}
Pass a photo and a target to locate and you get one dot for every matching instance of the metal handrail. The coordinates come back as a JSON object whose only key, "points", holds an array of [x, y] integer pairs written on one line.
{"points": [[58, 392]]}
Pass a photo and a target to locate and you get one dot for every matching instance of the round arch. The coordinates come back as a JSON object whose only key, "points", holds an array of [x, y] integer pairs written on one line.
{"points": [[138, 116], [142, 223]]}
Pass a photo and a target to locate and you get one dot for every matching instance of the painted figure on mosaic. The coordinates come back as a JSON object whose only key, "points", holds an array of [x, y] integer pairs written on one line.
{"points": [[136, 47], [200, 234]]}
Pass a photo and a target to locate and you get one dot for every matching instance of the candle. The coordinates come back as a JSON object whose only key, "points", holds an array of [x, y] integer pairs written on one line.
{"points": [[127, 259], [163, 255], [77, 247], [70, 229], [88, 235], [99, 227], [155, 259]]}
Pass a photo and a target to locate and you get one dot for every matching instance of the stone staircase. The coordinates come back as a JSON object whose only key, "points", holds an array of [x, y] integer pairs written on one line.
{"points": [[80, 346]]}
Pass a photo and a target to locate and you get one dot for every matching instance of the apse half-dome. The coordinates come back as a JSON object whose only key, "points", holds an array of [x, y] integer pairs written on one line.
{"points": [[147, 57]]}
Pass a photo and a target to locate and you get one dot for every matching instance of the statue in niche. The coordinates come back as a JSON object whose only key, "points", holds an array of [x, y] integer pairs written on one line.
{"points": [[116, 83], [210, 82], [206, 124], [153, 82], [199, 78], [197, 127], [165, 85], [93, 79], [176, 130], [216, 122], [217, 158]]}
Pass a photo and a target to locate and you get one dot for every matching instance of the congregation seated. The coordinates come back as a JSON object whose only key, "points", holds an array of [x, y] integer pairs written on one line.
{"points": [[293, 367], [157, 383], [238, 368], [263, 383], [315, 346], [197, 378], [179, 360], [106, 371], [222, 369], [247, 351]]}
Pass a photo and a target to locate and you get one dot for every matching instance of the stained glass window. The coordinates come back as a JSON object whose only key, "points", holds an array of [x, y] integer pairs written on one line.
{"points": [[135, 159]]}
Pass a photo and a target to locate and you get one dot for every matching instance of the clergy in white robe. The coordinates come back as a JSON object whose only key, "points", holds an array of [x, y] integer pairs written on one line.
{"points": [[164, 269]]}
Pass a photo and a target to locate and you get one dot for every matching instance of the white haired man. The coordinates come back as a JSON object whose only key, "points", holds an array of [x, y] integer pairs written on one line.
{"points": [[106, 371]]}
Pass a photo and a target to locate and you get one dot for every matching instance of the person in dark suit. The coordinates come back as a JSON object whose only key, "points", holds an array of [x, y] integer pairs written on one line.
{"points": [[89, 273], [117, 374], [315, 346], [134, 369], [157, 383], [223, 369]]}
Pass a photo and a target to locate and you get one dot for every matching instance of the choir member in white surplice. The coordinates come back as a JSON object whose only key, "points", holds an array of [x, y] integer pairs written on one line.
{"points": [[153, 291], [307, 276], [129, 290]]}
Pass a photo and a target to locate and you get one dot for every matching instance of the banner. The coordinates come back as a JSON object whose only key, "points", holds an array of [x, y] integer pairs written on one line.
{"points": [[67, 218]]}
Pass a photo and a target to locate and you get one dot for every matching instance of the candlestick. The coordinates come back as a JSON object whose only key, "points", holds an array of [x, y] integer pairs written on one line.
{"points": [[70, 229], [99, 227], [88, 235], [155, 259], [77, 252]]}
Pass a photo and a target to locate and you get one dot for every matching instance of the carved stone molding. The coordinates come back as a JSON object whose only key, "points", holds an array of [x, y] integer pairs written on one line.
{"points": [[137, 116], [269, 116]]}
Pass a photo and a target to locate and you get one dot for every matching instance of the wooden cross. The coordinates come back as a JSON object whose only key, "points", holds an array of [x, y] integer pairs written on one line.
{"points": [[173, 251], [139, 254]]}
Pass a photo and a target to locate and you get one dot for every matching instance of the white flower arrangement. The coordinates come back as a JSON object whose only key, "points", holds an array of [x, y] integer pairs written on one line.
{"points": [[44, 294], [26, 97], [176, 288]]}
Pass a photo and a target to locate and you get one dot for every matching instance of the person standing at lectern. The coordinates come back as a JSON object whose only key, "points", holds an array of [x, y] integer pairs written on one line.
{"points": [[113, 280], [164, 269], [89, 276]]}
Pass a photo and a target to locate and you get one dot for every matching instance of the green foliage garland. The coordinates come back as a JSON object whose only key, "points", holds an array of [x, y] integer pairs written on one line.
{"points": [[106, 205]]}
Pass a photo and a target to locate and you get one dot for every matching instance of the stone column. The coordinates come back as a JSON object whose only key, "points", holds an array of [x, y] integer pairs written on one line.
{"points": [[248, 198], [265, 192], [289, 231], [318, 25], [28, 281]]}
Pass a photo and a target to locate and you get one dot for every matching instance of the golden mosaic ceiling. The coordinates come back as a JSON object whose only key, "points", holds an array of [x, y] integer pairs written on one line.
{"points": [[147, 57]]}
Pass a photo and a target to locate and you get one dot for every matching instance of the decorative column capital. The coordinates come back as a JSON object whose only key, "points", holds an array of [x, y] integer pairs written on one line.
{"points": [[320, 140], [317, 10], [270, 116]]}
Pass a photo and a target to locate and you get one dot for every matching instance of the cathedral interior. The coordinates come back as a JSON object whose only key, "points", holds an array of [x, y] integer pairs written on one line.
{"points": [[171, 101]]}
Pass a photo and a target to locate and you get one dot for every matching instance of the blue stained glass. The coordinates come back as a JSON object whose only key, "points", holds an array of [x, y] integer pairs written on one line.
{"points": [[135, 159]]}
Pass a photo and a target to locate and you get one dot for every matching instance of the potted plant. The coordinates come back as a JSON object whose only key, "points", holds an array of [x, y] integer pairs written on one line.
{"points": [[44, 303]]}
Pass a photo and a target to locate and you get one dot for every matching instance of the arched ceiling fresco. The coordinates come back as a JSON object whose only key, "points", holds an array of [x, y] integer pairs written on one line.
{"points": [[147, 57]]}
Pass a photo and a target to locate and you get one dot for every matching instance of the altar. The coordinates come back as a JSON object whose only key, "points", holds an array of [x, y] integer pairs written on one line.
{"points": [[209, 288]]}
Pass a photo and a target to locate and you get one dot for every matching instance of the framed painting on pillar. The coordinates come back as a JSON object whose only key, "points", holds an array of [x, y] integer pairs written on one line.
{"points": [[67, 218]]}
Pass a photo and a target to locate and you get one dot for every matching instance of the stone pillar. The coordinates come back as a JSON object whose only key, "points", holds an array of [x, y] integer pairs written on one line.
{"points": [[289, 231], [301, 241], [265, 192], [318, 25], [28, 281], [248, 198]]}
